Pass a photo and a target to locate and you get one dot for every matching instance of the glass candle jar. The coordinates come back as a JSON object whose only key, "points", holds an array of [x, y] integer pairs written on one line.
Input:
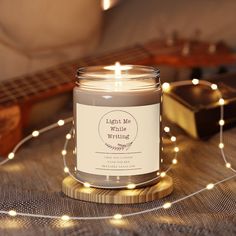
{"points": [[117, 115]]}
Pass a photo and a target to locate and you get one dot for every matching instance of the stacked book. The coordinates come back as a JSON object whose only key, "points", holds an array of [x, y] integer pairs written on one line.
{"points": [[196, 109]]}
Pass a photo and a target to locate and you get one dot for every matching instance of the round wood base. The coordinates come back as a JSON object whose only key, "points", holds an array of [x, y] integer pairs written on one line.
{"points": [[76, 190]]}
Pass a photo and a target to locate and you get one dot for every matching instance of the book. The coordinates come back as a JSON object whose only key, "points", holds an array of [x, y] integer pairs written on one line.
{"points": [[196, 108]]}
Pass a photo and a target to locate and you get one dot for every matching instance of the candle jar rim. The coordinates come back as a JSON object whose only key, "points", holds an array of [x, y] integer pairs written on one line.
{"points": [[148, 74]]}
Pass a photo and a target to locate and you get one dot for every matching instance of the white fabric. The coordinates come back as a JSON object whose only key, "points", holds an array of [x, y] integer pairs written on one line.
{"points": [[40, 33], [136, 21]]}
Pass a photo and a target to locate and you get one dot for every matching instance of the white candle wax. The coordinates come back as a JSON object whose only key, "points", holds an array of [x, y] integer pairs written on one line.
{"points": [[117, 123]]}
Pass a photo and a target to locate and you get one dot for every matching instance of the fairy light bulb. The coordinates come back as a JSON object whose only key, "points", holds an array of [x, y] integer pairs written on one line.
{"points": [[221, 145], [210, 186], [65, 217], [176, 149], [228, 165], [221, 122], [66, 169], [167, 205], [174, 161], [63, 152], [87, 185], [131, 186], [163, 174], [106, 4], [12, 213], [35, 133], [61, 122], [167, 129], [166, 87], [173, 138], [221, 101], [68, 136], [11, 155], [214, 87], [195, 81], [117, 216]]}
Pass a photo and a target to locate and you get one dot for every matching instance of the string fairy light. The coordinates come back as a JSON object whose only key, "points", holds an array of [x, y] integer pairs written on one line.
{"points": [[166, 87], [210, 186], [87, 185], [118, 216], [214, 86], [66, 169], [167, 205], [221, 101], [65, 217], [195, 81], [221, 122], [61, 122], [163, 174], [228, 165], [68, 136], [174, 161], [63, 152], [221, 145], [12, 213], [11, 155], [35, 133], [176, 149], [167, 129], [131, 186]]}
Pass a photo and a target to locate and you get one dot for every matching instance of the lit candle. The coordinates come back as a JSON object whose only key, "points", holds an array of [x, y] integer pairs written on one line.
{"points": [[117, 121]]}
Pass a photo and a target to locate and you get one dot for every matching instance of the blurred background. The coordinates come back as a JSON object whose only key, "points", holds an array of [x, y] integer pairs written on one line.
{"points": [[38, 34], [42, 43]]}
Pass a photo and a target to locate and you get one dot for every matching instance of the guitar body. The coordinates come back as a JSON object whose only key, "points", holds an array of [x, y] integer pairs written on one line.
{"points": [[10, 128]]}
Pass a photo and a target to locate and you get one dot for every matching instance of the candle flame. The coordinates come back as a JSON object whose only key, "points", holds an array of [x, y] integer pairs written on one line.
{"points": [[118, 74], [106, 4], [118, 67], [117, 70]]}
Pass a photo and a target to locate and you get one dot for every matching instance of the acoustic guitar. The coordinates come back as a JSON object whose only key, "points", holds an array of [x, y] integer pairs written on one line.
{"points": [[18, 95]]}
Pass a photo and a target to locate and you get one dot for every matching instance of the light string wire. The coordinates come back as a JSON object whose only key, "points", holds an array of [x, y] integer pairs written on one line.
{"points": [[166, 87]]}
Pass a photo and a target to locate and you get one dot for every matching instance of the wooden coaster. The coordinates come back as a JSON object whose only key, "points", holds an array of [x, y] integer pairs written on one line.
{"points": [[76, 190]]}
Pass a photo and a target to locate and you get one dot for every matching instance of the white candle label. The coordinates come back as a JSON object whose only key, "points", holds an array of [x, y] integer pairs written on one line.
{"points": [[117, 141]]}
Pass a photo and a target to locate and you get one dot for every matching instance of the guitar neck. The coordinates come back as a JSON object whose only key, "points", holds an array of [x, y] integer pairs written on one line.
{"points": [[61, 78], [31, 87]]}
